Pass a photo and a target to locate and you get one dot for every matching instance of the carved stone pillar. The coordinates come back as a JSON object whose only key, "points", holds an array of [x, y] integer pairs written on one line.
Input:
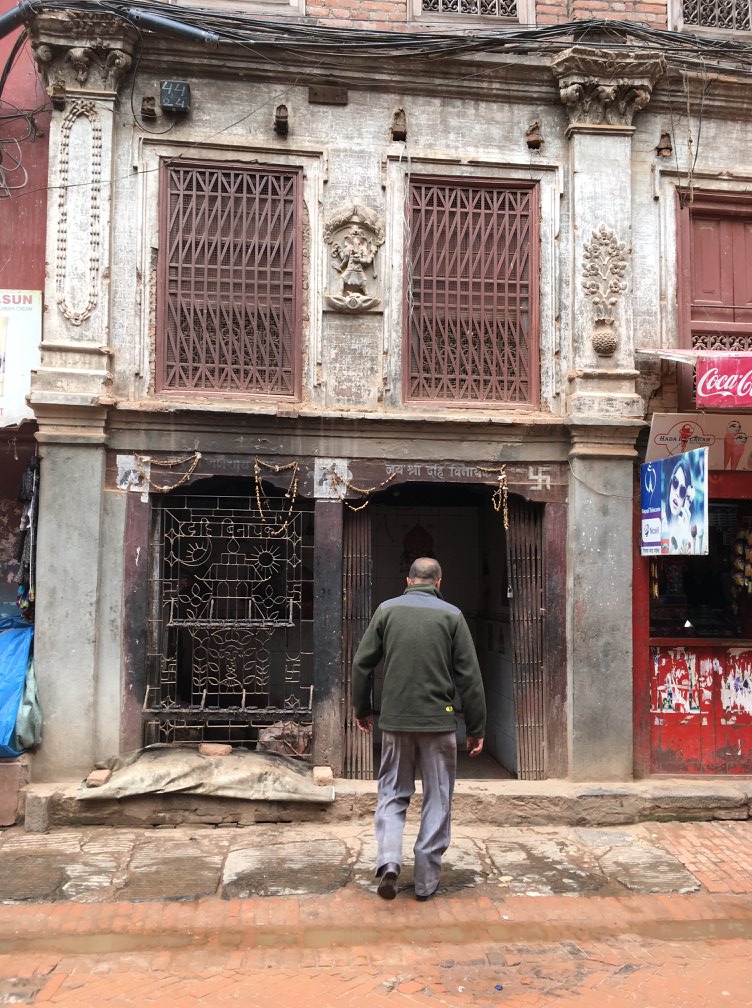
{"points": [[602, 91], [84, 58]]}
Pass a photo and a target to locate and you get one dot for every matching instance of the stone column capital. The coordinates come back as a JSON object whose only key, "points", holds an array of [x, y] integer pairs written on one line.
{"points": [[602, 90], [82, 53]]}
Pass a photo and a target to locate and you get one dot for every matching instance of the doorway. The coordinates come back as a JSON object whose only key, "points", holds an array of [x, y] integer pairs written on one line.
{"points": [[494, 577]]}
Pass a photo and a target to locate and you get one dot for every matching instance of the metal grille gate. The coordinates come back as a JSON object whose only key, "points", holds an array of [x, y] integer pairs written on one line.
{"points": [[356, 584], [525, 564], [232, 621]]}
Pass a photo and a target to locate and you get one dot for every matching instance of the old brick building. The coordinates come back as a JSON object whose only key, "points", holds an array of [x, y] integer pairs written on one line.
{"points": [[330, 287]]}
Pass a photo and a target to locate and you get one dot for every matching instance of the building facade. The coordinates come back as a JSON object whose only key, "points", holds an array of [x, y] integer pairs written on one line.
{"points": [[328, 290]]}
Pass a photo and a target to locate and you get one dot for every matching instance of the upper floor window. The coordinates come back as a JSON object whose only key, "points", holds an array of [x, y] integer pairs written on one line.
{"points": [[716, 272], [517, 11], [230, 279], [471, 293], [731, 15]]}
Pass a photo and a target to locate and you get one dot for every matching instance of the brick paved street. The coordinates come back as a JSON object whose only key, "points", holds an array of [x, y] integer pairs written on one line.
{"points": [[485, 942]]}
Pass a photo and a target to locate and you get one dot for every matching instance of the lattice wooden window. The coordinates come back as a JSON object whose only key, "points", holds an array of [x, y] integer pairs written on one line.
{"points": [[732, 15], [471, 293], [471, 8], [230, 272]]}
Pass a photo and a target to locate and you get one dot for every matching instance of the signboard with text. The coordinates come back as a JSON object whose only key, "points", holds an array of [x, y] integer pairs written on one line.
{"points": [[20, 336], [727, 437], [674, 505], [724, 382]]}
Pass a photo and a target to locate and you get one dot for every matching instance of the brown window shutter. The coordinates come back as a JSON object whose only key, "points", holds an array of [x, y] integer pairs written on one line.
{"points": [[229, 305], [471, 306]]}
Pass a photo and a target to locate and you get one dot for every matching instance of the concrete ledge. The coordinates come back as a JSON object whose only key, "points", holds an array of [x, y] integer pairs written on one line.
{"points": [[488, 803]]}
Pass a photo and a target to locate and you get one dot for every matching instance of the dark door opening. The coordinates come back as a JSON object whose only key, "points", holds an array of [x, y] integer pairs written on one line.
{"points": [[458, 525]]}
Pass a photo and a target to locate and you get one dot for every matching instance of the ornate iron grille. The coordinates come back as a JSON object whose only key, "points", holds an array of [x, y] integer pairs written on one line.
{"points": [[733, 15], [231, 640], [471, 285], [230, 271], [469, 8]]}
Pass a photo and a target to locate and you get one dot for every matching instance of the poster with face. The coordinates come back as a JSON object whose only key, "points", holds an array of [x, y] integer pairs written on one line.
{"points": [[675, 505]]}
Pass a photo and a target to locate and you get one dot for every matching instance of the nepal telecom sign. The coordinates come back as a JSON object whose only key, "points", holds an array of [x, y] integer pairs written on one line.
{"points": [[674, 505], [20, 336], [724, 382]]}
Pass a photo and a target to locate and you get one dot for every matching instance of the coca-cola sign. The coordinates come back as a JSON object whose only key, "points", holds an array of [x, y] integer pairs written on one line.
{"points": [[725, 382]]}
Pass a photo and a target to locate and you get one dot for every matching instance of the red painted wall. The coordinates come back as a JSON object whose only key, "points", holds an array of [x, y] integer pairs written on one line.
{"points": [[23, 213]]}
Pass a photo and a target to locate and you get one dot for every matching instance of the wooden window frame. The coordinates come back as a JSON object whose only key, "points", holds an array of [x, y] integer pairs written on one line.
{"points": [[533, 399], [713, 203], [296, 355]]}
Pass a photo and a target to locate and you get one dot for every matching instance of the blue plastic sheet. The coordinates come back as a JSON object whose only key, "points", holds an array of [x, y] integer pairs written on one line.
{"points": [[15, 647]]}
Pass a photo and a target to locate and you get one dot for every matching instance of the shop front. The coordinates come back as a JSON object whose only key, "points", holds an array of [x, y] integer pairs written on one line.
{"points": [[693, 611]]}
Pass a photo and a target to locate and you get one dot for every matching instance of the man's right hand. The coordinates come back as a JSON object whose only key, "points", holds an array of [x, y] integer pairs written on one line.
{"points": [[365, 723], [474, 745]]}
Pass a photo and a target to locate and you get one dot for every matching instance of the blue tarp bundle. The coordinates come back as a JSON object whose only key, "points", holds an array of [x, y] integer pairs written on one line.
{"points": [[15, 650]]}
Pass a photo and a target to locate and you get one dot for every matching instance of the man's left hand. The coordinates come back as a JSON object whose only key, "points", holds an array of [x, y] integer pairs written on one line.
{"points": [[365, 723], [474, 745]]}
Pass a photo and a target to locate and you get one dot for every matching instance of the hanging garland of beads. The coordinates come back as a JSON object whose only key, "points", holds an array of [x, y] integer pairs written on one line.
{"points": [[339, 483], [500, 498], [291, 494], [147, 460]]}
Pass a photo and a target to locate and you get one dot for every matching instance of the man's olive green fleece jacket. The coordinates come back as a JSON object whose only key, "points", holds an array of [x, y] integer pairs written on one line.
{"points": [[427, 650]]}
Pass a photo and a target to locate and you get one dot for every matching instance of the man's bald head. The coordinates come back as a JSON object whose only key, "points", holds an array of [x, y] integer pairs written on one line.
{"points": [[425, 569]]}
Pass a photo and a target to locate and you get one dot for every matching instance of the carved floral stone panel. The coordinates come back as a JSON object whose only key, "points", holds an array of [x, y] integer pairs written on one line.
{"points": [[603, 268], [354, 235]]}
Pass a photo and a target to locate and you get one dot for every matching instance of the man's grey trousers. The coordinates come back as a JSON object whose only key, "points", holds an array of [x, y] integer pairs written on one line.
{"points": [[435, 753]]}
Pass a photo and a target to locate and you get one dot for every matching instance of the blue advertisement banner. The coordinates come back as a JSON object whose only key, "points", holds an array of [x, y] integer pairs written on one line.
{"points": [[674, 506]]}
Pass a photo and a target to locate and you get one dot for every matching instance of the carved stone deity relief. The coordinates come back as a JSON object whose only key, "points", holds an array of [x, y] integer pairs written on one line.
{"points": [[354, 235], [603, 268]]}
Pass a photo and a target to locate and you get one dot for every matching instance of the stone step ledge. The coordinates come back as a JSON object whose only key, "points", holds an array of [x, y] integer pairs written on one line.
{"points": [[491, 803]]}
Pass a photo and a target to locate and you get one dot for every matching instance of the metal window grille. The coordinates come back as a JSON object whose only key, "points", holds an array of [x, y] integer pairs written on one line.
{"points": [[230, 279], [733, 15], [470, 8], [471, 293], [232, 620]]}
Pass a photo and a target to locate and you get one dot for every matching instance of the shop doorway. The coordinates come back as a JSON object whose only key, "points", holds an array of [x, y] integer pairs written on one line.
{"points": [[495, 577]]}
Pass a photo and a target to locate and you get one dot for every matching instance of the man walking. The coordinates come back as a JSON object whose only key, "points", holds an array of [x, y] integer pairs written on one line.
{"points": [[427, 651]]}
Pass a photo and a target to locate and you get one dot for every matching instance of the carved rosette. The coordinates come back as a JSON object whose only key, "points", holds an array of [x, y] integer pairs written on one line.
{"points": [[354, 235], [603, 267], [82, 52], [601, 89]]}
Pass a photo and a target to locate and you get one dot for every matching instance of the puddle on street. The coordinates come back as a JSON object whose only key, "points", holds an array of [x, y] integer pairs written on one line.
{"points": [[505, 932]]}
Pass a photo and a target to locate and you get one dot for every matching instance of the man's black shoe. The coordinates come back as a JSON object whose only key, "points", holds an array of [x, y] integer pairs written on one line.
{"points": [[387, 887], [422, 897]]}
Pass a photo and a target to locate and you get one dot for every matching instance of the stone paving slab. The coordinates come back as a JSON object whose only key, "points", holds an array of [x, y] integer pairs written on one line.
{"points": [[98, 864]]}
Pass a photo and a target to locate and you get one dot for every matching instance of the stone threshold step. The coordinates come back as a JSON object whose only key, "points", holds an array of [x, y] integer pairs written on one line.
{"points": [[493, 803]]}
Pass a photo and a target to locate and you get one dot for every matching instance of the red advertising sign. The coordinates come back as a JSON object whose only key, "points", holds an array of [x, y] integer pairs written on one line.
{"points": [[725, 382]]}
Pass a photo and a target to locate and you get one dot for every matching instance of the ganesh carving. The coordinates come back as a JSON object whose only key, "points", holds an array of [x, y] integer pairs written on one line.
{"points": [[354, 235]]}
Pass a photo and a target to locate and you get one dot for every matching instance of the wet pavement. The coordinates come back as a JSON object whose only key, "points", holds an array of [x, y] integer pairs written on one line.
{"points": [[656, 915]]}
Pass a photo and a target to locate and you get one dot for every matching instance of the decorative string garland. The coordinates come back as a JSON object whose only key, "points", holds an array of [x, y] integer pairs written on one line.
{"points": [[143, 460], [339, 482], [291, 494], [500, 498]]}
